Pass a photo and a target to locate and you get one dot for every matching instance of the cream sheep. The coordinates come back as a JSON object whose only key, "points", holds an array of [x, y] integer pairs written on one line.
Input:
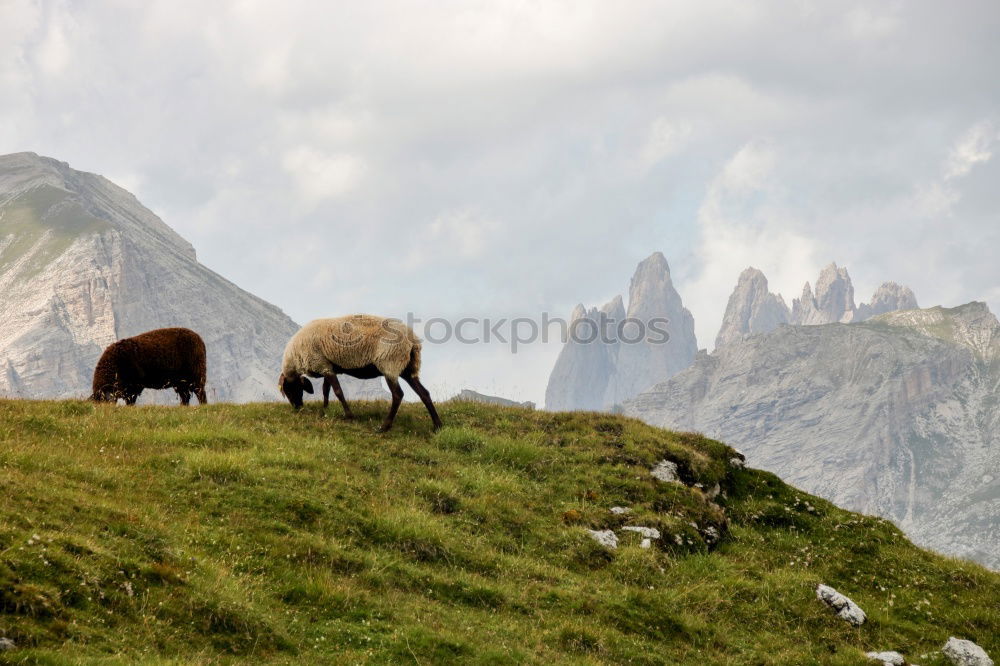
{"points": [[362, 346]]}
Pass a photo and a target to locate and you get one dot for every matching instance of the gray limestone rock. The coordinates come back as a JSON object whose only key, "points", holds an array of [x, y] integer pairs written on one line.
{"points": [[606, 538], [608, 359], [965, 653], [889, 297], [895, 416], [832, 302], [845, 609], [665, 471], [751, 310], [469, 395], [889, 658]]}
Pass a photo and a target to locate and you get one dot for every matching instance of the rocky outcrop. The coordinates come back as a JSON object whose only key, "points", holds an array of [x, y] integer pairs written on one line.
{"points": [[961, 652], [887, 298], [641, 364], [845, 609], [468, 395], [887, 658], [83, 263], [895, 416], [587, 361], [751, 310], [832, 302], [609, 358]]}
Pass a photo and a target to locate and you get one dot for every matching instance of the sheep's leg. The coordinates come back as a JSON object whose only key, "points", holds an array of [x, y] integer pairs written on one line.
{"points": [[131, 397], [425, 397], [331, 381], [397, 397], [200, 392], [185, 396]]}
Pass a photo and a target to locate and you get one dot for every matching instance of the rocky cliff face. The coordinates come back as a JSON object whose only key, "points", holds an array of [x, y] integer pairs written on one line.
{"points": [[602, 370], [752, 309], [887, 298], [833, 301], [83, 263], [896, 416]]}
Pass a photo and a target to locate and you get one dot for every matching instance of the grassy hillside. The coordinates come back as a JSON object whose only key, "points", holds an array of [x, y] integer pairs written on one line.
{"points": [[221, 533]]}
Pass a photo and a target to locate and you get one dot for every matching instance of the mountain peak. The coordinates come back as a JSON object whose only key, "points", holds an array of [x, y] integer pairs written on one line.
{"points": [[833, 300], [598, 375], [83, 263], [24, 173], [888, 297], [752, 309]]}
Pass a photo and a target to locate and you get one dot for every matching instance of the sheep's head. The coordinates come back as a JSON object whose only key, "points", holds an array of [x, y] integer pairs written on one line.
{"points": [[104, 395], [292, 388]]}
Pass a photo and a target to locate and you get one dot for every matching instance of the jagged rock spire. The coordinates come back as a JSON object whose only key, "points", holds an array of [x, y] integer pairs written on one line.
{"points": [[752, 309], [889, 297], [832, 302], [601, 374]]}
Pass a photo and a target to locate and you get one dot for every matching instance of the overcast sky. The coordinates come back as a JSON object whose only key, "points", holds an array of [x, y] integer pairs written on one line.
{"points": [[509, 158]]}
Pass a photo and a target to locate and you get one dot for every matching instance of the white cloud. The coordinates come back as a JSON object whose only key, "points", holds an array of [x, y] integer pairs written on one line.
{"points": [[456, 236], [664, 138], [563, 140], [322, 176], [745, 220], [972, 148]]}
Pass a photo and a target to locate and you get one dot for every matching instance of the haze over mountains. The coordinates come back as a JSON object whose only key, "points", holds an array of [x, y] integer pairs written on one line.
{"points": [[83, 263], [880, 407], [895, 416], [604, 373], [607, 371]]}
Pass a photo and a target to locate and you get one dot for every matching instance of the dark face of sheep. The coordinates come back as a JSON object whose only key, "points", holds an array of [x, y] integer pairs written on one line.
{"points": [[293, 388], [104, 395]]}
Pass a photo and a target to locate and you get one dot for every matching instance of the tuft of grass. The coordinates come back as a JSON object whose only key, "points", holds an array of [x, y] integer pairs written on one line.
{"points": [[228, 533]]}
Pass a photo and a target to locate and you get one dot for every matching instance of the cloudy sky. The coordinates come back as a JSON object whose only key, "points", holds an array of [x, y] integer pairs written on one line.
{"points": [[512, 158]]}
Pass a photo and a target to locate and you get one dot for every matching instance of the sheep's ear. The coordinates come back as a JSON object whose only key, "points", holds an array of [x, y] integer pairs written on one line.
{"points": [[307, 385], [281, 384]]}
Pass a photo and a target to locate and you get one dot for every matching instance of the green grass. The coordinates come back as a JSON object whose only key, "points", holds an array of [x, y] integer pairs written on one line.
{"points": [[43, 221], [227, 533]]}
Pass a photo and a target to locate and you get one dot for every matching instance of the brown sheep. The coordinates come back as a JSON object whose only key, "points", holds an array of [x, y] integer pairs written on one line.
{"points": [[164, 358]]}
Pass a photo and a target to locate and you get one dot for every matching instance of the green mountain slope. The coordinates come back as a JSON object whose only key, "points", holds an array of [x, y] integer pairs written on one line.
{"points": [[227, 533]]}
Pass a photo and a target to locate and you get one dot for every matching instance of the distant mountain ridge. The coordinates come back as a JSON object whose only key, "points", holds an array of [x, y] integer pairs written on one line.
{"points": [[83, 263], [753, 310], [895, 416]]}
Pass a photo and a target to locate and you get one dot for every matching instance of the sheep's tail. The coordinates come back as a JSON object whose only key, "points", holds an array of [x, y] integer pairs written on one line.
{"points": [[413, 367]]}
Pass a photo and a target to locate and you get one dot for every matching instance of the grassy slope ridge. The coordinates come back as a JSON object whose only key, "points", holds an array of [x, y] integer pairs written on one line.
{"points": [[218, 533]]}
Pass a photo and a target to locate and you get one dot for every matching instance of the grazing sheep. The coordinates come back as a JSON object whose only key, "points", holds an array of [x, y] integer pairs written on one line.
{"points": [[164, 358], [362, 346]]}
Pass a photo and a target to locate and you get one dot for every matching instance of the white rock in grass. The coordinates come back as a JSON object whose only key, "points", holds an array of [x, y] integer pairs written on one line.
{"points": [[620, 510], [646, 543], [844, 607], [965, 653], [646, 532], [606, 538], [890, 658], [6, 644], [666, 471]]}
